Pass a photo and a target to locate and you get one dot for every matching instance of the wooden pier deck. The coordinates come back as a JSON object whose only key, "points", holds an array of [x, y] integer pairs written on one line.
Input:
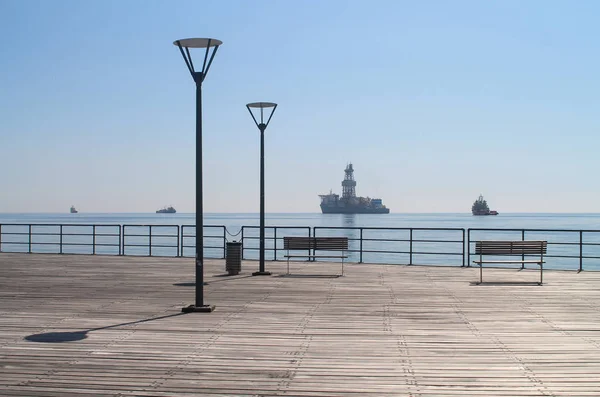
{"points": [[111, 326]]}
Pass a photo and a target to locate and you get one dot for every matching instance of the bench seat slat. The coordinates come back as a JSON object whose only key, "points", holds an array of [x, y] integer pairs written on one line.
{"points": [[508, 248], [508, 252]]}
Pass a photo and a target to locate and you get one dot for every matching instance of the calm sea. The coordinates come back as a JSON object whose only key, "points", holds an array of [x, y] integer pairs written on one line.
{"points": [[379, 245]]}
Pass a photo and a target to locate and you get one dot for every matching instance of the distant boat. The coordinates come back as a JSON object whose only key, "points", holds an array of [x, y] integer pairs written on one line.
{"points": [[73, 210], [480, 207], [166, 210]]}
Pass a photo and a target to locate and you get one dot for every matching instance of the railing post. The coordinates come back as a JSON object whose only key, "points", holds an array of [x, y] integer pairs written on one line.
{"points": [[581, 250], [314, 253], [224, 242], [463, 248], [94, 240], [124, 241], [149, 240], [182, 240], [178, 234], [30, 239], [523, 255], [275, 243], [120, 239], [242, 232], [0, 237], [411, 247], [468, 247], [361, 246], [60, 249]]}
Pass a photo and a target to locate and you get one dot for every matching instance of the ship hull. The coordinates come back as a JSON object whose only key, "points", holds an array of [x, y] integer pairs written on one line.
{"points": [[485, 213], [353, 210]]}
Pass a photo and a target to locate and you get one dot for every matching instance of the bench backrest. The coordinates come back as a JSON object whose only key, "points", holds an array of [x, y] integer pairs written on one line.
{"points": [[315, 243], [500, 247]]}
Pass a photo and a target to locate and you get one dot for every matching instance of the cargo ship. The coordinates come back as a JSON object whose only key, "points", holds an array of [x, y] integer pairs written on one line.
{"points": [[480, 207], [73, 210], [166, 210], [349, 203]]}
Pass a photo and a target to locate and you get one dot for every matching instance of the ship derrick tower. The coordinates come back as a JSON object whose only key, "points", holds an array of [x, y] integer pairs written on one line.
{"points": [[349, 184]]}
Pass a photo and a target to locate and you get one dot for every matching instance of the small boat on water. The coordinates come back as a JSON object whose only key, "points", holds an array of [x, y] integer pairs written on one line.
{"points": [[480, 207], [166, 210], [73, 210]]}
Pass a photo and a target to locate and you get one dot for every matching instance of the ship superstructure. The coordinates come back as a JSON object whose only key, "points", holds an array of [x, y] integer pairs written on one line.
{"points": [[349, 203]]}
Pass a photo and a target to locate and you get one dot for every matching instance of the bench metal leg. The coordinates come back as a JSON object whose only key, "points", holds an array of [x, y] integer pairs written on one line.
{"points": [[288, 265], [541, 273], [481, 267]]}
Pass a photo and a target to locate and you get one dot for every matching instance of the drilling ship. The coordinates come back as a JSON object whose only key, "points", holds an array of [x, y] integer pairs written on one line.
{"points": [[349, 203]]}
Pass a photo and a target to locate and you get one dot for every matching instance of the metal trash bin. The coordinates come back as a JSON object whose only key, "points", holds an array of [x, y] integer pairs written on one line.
{"points": [[233, 261]]}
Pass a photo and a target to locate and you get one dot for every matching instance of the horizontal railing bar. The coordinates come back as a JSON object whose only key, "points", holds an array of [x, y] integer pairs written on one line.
{"points": [[206, 246], [193, 235], [408, 252], [136, 225], [76, 244], [153, 235], [408, 240], [458, 229], [548, 242], [71, 244], [62, 224], [147, 245], [281, 227], [538, 230]]}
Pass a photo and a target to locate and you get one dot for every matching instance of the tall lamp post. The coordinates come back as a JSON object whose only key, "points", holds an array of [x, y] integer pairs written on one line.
{"points": [[262, 126], [198, 76]]}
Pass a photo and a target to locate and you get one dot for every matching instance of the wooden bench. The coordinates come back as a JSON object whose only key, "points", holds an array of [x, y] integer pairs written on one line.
{"points": [[508, 249], [313, 244]]}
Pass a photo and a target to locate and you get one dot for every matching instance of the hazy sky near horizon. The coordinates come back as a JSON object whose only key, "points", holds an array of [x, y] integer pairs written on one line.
{"points": [[434, 102]]}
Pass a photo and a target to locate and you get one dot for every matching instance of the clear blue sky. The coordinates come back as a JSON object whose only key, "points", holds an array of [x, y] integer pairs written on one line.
{"points": [[434, 102]]}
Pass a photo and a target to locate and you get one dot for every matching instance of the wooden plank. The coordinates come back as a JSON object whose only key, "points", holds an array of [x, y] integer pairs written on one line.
{"points": [[379, 331]]}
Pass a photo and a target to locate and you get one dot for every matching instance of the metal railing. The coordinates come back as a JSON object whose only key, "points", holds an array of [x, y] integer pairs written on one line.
{"points": [[571, 247], [567, 249], [62, 238], [163, 239], [212, 239], [401, 245], [273, 239]]}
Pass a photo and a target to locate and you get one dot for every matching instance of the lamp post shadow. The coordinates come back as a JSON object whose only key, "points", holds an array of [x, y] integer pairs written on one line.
{"points": [[74, 336]]}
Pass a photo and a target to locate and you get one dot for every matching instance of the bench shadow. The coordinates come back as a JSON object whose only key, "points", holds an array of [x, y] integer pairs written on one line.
{"points": [[74, 336], [310, 275], [535, 283]]}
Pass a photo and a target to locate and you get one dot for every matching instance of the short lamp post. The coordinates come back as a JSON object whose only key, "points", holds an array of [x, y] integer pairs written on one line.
{"points": [[262, 126], [198, 77]]}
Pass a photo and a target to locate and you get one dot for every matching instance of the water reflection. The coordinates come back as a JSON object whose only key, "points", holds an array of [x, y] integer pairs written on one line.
{"points": [[349, 220]]}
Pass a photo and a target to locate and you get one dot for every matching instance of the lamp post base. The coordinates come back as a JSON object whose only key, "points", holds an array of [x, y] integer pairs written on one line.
{"points": [[261, 273], [198, 309]]}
